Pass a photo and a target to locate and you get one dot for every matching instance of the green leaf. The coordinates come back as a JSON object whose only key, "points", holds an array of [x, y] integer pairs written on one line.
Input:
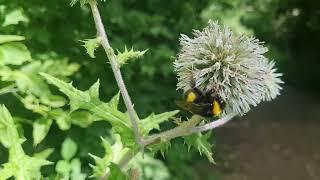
{"points": [[10, 38], [94, 91], [69, 149], [14, 53], [40, 130], [101, 164], [88, 100], [76, 170], [7, 171], [22, 166], [91, 45], [116, 173], [8, 131], [124, 57], [63, 167], [114, 102], [162, 147], [14, 17], [62, 118], [153, 121], [44, 154], [83, 118], [112, 154], [200, 142], [150, 167]]}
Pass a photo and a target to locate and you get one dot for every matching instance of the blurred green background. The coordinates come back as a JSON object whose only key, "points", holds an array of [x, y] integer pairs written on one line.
{"points": [[289, 28]]}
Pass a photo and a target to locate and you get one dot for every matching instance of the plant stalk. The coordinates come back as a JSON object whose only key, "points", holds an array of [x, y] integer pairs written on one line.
{"points": [[116, 71], [187, 128]]}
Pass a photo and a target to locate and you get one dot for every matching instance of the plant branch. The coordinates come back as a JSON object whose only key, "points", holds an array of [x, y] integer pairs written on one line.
{"points": [[187, 128], [212, 125], [116, 70]]}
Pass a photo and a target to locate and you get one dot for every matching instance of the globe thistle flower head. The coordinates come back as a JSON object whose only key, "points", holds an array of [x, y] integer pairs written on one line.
{"points": [[229, 65]]}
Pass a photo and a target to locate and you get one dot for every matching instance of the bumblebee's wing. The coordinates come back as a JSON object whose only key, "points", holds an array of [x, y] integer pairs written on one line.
{"points": [[202, 109]]}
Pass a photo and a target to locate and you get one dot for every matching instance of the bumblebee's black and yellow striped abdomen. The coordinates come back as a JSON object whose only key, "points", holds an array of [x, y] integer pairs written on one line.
{"points": [[204, 104]]}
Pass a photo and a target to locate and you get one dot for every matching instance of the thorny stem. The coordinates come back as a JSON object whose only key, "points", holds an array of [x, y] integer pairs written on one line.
{"points": [[187, 128], [116, 70]]}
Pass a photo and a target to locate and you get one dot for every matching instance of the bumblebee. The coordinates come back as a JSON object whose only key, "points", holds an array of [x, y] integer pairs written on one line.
{"points": [[201, 103]]}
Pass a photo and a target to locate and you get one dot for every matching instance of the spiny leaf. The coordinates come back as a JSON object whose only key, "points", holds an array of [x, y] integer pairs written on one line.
{"points": [[200, 142], [112, 153], [124, 57], [10, 38], [114, 102], [94, 91], [91, 45], [88, 100], [162, 147], [153, 121], [101, 164]]}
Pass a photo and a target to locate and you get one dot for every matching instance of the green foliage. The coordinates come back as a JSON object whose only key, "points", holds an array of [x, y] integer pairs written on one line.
{"points": [[125, 56], [14, 53], [149, 168], [20, 166], [111, 154], [69, 149], [10, 38], [41, 128], [68, 167], [116, 173], [14, 17], [91, 45], [201, 143], [89, 100]]}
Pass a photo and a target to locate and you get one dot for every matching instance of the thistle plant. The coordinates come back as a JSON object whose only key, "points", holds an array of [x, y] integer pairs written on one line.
{"points": [[229, 65], [216, 60]]}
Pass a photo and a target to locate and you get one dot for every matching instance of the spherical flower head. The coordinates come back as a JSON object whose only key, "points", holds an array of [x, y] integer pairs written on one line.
{"points": [[232, 66]]}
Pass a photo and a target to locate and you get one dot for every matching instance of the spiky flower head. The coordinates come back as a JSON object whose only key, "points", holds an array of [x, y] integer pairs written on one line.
{"points": [[230, 65]]}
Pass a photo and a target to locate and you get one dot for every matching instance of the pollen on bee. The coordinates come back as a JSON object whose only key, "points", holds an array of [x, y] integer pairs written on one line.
{"points": [[191, 97], [216, 109]]}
